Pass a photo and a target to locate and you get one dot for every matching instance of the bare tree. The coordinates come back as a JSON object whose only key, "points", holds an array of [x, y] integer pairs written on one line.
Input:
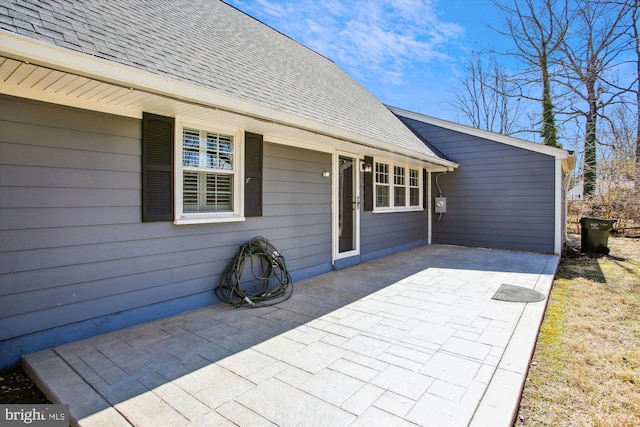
{"points": [[617, 168], [537, 29], [591, 53], [617, 137], [485, 97], [635, 33]]}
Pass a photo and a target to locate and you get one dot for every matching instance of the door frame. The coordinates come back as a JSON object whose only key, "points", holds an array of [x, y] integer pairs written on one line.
{"points": [[336, 205]]}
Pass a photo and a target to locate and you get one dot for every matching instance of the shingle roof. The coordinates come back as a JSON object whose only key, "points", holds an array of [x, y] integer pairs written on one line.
{"points": [[212, 45], [565, 155]]}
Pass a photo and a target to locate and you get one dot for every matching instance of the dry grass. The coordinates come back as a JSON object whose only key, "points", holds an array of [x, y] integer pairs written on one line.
{"points": [[586, 367]]}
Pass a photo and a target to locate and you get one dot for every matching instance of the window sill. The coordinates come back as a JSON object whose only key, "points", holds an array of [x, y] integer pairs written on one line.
{"points": [[396, 210], [184, 220]]}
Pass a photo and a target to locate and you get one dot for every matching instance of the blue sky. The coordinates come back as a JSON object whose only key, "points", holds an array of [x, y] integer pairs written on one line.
{"points": [[406, 52]]}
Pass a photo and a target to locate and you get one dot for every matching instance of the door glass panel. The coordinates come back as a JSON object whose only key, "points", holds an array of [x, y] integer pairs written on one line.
{"points": [[346, 204]]}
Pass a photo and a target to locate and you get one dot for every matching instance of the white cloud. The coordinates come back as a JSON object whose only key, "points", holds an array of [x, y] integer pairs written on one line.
{"points": [[371, 39]]}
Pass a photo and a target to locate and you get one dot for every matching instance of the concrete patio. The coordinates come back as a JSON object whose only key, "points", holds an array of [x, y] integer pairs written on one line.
{"points": [[409, 339]]}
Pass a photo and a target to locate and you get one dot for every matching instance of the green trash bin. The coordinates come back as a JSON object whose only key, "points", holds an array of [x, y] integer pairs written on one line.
{"points": [[594, 234]]}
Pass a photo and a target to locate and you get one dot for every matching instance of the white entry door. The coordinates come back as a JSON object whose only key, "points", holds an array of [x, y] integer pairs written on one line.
{"points": [[347, 205]]}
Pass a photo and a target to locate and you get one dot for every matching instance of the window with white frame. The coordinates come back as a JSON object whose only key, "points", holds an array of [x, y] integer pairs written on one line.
{"points": [[382, 185], [397, 187], [208, 179], [414, 187]]}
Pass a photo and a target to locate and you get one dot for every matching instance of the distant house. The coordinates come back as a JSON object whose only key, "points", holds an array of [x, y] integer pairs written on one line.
{"points": [[575, 193], [142, 142], [604, 186]]}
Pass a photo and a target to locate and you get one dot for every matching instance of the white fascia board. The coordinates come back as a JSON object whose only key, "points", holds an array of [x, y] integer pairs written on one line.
{"points": [[39, 53], [559, 153], [558, 214]]}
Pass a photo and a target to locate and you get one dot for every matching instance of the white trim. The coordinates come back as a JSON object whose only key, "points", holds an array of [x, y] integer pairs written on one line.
{"points": [[56, 98], [336, 205], [559, 188], [208, 220], [38, 53], [407, 167], [238, 176], [503, 139], [396, 210], [429, 209]]}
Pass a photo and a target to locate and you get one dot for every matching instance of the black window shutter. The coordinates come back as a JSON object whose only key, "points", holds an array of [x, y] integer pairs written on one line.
{"points": [[425, 190], [253, 148], [157, 168], [368, 185]]}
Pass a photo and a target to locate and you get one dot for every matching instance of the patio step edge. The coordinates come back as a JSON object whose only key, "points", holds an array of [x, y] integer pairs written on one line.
{"points": [[65, 386]]}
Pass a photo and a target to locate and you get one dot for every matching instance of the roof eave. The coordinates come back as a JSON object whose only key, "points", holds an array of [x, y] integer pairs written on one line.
{"points": [[559, 153], [40, 53]]}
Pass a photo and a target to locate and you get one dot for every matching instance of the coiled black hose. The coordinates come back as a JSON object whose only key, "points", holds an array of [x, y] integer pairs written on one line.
{"points": [[270, 282]]}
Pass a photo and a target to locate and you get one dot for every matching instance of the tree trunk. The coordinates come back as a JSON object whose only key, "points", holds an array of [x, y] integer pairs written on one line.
{"points": [[549, 135], [636, 15], [638, 133], [590, 170]]}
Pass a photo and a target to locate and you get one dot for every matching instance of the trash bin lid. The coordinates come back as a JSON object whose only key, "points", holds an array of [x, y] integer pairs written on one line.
{"points": [[597, 223]]}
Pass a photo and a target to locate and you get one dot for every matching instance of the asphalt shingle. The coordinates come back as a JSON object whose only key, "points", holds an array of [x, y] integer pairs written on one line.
{"points": [[212, 45]]}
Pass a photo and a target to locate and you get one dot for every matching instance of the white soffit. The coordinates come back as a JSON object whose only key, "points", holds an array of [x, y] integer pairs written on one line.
{"points": [[35, 70]]}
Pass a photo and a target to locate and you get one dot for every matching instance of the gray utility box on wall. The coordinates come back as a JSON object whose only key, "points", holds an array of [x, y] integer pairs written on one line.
{"points": [[440, 205]]}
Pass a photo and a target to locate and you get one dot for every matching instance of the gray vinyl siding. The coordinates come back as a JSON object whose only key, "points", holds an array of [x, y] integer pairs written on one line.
{"points": [[72, 245], [500, 197], [396, 230], [383, 233]]}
